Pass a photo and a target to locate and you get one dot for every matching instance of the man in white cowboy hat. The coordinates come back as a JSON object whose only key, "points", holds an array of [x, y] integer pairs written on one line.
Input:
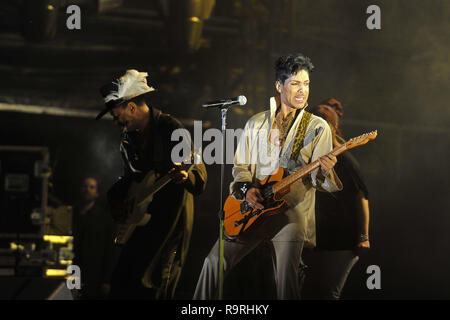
{"points": [[152, 259]]}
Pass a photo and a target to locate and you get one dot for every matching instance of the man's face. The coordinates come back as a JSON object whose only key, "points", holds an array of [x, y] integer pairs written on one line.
{"points": [[124, 117], [295, 90], [89, 191]]}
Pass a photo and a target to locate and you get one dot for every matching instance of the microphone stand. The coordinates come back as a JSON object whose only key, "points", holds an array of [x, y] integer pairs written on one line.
{"points": [[223, 106], [223, 109]]}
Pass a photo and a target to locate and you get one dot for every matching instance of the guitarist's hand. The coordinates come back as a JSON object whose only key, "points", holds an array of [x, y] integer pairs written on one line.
{"points": [[177, 175], [362, 247], [327, 162], [255, 198]]}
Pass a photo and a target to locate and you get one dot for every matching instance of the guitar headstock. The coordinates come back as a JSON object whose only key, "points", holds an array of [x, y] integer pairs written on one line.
{"points": [[360, 140]]}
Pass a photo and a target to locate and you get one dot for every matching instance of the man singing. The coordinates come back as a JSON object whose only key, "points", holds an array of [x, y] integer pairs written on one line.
{"points": [[299, 138]]}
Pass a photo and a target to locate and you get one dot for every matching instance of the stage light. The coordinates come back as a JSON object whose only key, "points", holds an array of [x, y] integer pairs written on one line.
{"points": [[39, 19], [57, 239], [56, 273], [187, 17]]}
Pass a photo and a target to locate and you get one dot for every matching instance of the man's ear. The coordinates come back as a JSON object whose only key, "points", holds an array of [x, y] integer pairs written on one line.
{"points": [[131, 107], [278, 86]]}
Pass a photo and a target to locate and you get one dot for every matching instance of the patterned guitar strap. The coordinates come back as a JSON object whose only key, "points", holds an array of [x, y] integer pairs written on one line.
{"points": [[300, 136]]}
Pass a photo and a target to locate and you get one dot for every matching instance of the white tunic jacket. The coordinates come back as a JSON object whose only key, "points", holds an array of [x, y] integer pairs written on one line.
{"points": [[256, 157]]}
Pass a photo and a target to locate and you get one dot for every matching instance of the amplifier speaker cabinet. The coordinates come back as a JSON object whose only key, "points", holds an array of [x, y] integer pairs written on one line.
{"points": [[24, 173], [35, 240]]}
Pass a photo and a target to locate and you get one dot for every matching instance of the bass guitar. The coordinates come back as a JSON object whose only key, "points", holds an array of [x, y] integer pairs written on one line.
{"points": [[240, 215], [130, 210]]}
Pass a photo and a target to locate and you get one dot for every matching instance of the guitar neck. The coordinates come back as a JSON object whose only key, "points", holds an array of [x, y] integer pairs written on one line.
{"points": [[161, 182], [286, 182]]}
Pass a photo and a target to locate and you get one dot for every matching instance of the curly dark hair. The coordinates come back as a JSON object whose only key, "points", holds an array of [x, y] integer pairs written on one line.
{"points": [[332, 115], [290, 64], [336, 105]]}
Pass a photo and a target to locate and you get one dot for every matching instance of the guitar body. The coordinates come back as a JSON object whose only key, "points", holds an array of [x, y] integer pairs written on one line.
{"points": [[130, 209], [129, 201], [140, 195], [239, 215]]}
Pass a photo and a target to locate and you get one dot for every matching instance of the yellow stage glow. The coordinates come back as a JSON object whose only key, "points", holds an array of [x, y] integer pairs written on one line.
{"points": [[194, 19], [57, 239], [56, 272]]}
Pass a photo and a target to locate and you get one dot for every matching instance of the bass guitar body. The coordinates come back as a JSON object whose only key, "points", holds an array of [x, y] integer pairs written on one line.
{"points": [[129, 201], [240, 215]]}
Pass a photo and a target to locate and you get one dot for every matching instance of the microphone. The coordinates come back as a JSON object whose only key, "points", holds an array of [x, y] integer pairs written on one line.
{"points": [[241, 100]]}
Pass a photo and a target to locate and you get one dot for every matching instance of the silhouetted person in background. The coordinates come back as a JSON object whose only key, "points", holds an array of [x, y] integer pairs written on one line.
{"points": [[342, 218], [94, 249]]}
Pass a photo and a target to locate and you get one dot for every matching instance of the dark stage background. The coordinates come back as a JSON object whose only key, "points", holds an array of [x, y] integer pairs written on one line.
{"points": [[394, 80]]}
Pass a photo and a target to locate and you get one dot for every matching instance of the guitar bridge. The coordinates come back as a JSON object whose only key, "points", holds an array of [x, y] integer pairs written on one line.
{"points": [[246, 218]]}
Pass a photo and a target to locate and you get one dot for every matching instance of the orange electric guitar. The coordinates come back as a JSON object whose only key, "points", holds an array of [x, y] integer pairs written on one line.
{"points": [[240, 215]]}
